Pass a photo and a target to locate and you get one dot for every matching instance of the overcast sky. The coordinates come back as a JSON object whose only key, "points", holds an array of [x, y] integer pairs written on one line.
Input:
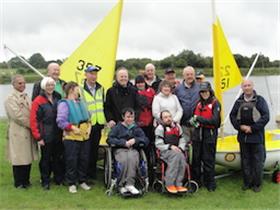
{"points": [[149, 28]]}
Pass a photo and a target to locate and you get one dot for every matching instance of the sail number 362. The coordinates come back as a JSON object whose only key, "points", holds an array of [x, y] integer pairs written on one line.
{"points": [[82, 65]]}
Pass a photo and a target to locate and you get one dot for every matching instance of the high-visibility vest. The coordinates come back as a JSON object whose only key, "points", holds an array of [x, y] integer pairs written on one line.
{"points": [[95, 106]]}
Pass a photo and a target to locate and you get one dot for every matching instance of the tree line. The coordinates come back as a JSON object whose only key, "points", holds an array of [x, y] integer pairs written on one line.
{"points": [[179, 61]]}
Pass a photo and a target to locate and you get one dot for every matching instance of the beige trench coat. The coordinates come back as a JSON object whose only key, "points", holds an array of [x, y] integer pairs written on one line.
{"points": [[21, 149]]}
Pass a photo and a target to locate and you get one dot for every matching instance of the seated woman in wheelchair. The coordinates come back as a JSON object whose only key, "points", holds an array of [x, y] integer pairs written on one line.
{"points": [[127, 137], [170, 142]]}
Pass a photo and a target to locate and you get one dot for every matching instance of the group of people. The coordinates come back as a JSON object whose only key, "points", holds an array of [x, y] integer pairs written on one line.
{"points": [[66, 121]]}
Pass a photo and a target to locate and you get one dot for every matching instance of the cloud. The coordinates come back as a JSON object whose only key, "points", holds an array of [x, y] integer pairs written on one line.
{"points": [[152, 29]]}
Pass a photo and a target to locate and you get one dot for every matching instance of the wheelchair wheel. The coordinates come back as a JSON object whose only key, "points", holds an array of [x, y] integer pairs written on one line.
{"points": [[108, 168], [192, 186], [158, 186]]}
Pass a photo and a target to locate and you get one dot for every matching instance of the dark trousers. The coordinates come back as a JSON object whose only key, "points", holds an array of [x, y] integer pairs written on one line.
{"points": [[204, 153], [94, 139], [150, 150], [252, 162], [52, 161], [76, 160], [21, 175]]}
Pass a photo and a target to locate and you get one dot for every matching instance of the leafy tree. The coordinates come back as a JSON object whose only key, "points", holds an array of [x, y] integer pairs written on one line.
{"points": [[38, 61]]}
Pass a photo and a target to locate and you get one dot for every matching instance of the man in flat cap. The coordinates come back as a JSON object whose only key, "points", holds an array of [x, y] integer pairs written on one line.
{"points": [[93, 94]]}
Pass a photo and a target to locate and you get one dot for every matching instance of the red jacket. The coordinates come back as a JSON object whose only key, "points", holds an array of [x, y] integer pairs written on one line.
{"points": [[146, 97]]}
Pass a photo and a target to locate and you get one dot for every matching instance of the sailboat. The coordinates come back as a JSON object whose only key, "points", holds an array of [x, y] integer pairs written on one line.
{"points": [[226, 76]]}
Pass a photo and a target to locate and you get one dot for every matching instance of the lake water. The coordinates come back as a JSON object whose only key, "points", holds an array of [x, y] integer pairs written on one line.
{"points": [[268, 87]]}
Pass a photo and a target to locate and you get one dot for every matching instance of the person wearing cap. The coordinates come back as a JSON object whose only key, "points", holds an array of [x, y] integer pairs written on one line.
{"points": [[170, 75], [53, 72], [199, 77], [206, 120], [188, 95], [93, 94], [21, 147], [146, 95], [46, 132], [152, 80]]}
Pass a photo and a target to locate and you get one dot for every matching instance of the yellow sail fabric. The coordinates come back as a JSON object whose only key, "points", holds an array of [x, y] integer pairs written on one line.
{"points": [[226, 72], [98, 49]]}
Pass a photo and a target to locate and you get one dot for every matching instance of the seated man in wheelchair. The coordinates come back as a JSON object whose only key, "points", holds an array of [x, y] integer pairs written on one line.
{"points": [[170, 142], [127, 137]]}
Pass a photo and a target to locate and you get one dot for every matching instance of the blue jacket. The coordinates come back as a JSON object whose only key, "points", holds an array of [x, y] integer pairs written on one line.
{"points": [[120, 134], [257, 135], [188, 98]]}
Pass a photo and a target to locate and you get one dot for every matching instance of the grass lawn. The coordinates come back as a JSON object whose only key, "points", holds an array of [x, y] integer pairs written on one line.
{"points": [[227, 196]]}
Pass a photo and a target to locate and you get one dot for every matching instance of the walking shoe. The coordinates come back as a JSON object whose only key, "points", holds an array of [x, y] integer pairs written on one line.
{"points": [[172, 189], [123, 190], [73, 189], [132, 189], [257, 188], [46, 187], [181, 189], [85, 186]]}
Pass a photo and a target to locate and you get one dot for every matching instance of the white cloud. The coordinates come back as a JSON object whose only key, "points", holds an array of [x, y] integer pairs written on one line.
{"points": [[152, 29]]}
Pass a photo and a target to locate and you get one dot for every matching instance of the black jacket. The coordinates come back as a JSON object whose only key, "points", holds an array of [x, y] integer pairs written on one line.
{"points": [[37, 88], [155, 84], [118, 98], [257, 135]]}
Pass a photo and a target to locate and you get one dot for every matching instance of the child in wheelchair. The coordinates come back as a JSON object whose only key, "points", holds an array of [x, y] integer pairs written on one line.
{"points": [[126, 138], [170, 142]]}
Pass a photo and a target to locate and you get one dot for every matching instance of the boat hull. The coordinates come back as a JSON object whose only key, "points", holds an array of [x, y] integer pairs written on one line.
{"points": [[228, 153]]}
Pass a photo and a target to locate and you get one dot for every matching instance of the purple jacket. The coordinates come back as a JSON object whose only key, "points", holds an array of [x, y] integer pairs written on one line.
{"points": [[62, 116]]}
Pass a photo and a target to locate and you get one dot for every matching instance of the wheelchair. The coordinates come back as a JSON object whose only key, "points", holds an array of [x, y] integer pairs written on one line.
{"points": [[158, 184], [111, 173]]}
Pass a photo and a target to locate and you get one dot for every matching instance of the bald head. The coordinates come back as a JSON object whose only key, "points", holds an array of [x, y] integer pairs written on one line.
{"points": [[189, 74], [122, 76], [247, 87], [150, 71], [54, 70]]}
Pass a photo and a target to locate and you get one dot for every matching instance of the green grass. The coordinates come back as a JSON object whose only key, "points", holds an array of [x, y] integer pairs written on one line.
{"points": [[227, 196]]}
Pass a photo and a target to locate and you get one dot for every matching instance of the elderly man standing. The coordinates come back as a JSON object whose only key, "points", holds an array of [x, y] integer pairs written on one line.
{"points": [[249, 116], [21, 148], [121, 95], [151, 79], [93, 95], [53, 72], [188, 95]]}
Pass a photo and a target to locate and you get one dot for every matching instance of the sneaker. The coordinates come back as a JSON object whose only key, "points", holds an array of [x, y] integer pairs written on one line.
{"points": [[171, 189], [181, 189], [132, 189], [123, 190], [84, 186], [73, 189]]}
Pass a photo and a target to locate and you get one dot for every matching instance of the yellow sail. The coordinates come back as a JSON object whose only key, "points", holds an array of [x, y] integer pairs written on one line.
{"points": [[98, 49], [226, 72]]}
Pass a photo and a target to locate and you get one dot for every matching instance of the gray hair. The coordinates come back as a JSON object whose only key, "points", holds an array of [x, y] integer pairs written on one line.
{"points": [[15, 77]]}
